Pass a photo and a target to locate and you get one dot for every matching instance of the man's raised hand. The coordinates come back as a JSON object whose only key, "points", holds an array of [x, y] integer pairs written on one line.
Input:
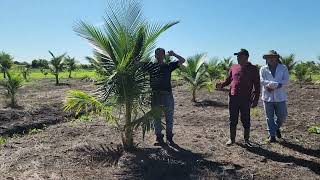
{"points": [[171, 53]]}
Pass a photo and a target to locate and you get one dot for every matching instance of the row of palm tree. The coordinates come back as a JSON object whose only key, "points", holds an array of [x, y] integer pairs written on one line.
{"points": [[56, 65], [200, 73], [12, 81], [303, 71], [61, 62]]}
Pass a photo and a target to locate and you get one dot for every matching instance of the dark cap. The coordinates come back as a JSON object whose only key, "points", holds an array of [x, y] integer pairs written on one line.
{"points": [[242, 51]]}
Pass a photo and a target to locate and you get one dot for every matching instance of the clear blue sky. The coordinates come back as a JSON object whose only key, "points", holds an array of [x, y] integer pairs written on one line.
{"points": [[29, 28]]}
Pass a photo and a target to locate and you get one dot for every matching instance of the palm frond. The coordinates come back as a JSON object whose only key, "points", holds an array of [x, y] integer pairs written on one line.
{"points": [[289, 61], [194, 71], [213, 69], [81, 102], [146, 122], [153, 32], [12, 83]]}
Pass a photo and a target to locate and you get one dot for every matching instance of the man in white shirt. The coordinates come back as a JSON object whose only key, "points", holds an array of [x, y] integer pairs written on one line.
{"points": [[274, 78]]}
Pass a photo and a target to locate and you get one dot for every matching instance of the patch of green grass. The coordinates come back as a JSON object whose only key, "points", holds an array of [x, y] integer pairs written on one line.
{"points": [[316, 77], [256, 112], [3, 140], [314, 129], [35, 131], [81, 73], [292, 77], [85, 118]]}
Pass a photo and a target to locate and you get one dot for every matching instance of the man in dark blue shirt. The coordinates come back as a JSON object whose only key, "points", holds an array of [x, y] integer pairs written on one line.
{"points": [[162, 98]]}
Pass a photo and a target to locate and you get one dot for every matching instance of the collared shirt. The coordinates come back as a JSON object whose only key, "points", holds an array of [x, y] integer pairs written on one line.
{"points": [[243, 80], [273, 69], [278, 83]]}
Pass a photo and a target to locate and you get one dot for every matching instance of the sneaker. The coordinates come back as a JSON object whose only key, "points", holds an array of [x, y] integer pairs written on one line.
{"points": [[230, 142], [247, 143], [271, 139], [160, 141], [279, 134], [170, 139]]}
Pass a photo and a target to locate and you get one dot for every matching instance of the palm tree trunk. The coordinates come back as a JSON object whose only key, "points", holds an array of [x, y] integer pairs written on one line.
{"points": [[127, 135], [57, 79], [300, 82], [13, 101], [194, 95], [4, 74], [70, 74]]}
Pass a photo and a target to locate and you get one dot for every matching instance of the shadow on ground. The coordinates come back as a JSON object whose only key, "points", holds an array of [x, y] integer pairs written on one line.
{"points": [[301, 149], [167, 162], [274, 156], [210, 103]]}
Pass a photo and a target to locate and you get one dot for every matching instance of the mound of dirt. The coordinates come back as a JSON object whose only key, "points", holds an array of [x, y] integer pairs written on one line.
{"points": [[20, 121]]}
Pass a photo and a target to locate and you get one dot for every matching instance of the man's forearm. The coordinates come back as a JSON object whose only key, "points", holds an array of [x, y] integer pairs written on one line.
{"points": [[181, 60], [225, 83]]}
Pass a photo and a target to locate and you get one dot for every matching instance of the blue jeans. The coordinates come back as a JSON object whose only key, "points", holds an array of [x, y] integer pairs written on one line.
{"points": [[276, 113], [165, 103]]}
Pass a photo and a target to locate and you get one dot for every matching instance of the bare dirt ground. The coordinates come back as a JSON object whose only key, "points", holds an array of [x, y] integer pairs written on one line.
{"points": [[89, 150]]}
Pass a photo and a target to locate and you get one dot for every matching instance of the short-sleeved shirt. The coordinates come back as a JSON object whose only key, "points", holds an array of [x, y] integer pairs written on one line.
{"points": [[163, 80]]}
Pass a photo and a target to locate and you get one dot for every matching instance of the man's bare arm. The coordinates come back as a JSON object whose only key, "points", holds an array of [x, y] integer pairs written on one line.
{"points": [[181, 60]]}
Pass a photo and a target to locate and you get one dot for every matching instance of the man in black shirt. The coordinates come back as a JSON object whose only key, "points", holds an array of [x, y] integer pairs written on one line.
{"points": [[162, 97]]}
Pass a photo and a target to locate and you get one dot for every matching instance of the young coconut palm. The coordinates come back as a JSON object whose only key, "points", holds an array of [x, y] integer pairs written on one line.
{"points": [[6, 61], [289, 61], [120, 49], [194, 72], [11, 83], [213, 69], [312, 69], [300, 71], [25, 71], [56, 65], [225, 65], [71, 65]]}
